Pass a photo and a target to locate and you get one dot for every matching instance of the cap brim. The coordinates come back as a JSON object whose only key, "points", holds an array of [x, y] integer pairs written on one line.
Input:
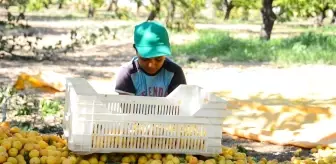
{"points": [[151, 52]]}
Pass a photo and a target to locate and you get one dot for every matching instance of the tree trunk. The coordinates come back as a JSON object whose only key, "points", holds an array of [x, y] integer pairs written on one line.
{"points": [[320, 18], [268, 17], [9, 16], [153, 13], [138, 7], [171, 14], [322, 15], [83, 7], [21, 16], [229, 6], [60, 5], [333, 20], [46, 5], [91, 11], [116, 9], [110, 7], [245, 14]]}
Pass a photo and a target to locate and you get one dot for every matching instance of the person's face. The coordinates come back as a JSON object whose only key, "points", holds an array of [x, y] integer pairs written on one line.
{"points": [[151, 65]]}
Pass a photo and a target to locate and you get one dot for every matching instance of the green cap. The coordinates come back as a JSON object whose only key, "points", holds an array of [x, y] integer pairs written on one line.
{"points": [[151, 40]]}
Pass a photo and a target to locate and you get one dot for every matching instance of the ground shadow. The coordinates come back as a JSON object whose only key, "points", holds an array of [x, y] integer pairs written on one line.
{"points": [[91, 63], [298, 25], [4, 76], [263, 150], [65, 14], [91, 74], [4, 79], [50, 18], [42, 128], [36, 31], [70, 16], [102, 56]]}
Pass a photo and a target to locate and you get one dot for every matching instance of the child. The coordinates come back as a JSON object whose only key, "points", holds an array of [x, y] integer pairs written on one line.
{"points": [[150, 73]]}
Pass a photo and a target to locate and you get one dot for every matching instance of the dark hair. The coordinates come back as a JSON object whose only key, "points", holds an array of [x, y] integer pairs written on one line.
{"points": [[135, 48]]}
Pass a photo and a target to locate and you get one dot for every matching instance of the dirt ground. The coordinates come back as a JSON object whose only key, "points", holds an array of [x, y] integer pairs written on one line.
{"points": [[101, 62]]}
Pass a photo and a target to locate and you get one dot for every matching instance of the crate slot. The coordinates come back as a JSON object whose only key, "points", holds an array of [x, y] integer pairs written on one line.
{"points": [[142, 109]]}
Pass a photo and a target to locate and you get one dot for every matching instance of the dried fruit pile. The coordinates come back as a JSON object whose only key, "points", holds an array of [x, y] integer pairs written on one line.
{"points": [[146, 136], [21, 147]]}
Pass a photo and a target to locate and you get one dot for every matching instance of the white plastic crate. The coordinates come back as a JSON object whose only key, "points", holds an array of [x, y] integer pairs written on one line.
{"points": [[187, 121]]}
